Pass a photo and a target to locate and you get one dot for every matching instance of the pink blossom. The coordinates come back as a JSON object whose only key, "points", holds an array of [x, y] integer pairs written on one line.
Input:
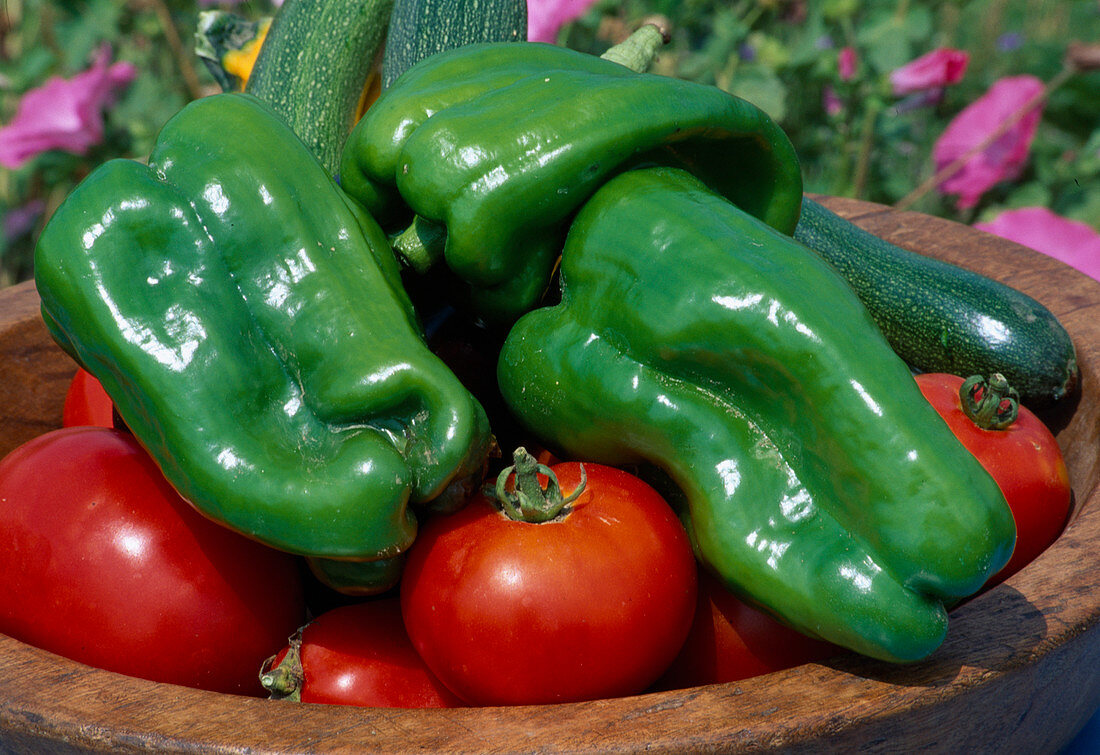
{"points": [[1003, 159], [831, 102], [846, 63], [1071, 241], [546, 17], [935, 70], [65, 114]]}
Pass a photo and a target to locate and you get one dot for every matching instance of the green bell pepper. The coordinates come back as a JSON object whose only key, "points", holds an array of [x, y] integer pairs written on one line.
{"points": [[476, 139], [249, 322], [817, 482]]}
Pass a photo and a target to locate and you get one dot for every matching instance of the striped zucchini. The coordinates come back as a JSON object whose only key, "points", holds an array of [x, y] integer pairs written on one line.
{"points": [[419, 28], [942, 318]]}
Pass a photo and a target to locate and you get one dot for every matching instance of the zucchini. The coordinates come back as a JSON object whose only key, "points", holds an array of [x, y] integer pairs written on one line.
{"points": [[314, 64], [419, 28], [939, 317]]}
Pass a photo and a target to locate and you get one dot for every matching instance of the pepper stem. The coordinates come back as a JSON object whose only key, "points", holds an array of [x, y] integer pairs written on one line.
{"points": [[638, 51], [284, 682], [420, 245], [992, 404], [530, 501]]}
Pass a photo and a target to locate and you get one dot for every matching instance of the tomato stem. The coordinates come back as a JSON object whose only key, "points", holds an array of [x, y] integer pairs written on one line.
{"points": [[991, 404], [530, 501], [284, 682]]}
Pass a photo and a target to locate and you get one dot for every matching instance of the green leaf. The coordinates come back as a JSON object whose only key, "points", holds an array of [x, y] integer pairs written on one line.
{"points": [[888, 40], [840, 9], [769, 51], [33, 69], [805, 48], [80, 34], [146, 106], [1029, 195], [762, 87], [1087, 205], [884, 45]]}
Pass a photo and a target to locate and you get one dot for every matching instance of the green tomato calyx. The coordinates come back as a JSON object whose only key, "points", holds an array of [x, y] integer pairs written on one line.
{"points": [[529, 501], [992, 404]]}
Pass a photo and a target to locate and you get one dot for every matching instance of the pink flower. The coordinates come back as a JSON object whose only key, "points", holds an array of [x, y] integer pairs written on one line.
{"points": [[846, 63], [546, 17], [1003, 159], [934, 70], [1071, 241], [831, 102], [65, 114]]}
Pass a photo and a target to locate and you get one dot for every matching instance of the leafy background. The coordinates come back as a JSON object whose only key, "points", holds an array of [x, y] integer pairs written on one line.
{"points": [[780, 54]]}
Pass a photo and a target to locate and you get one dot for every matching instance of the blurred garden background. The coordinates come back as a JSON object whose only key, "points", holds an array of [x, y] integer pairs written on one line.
{"points": [[986, 112]]}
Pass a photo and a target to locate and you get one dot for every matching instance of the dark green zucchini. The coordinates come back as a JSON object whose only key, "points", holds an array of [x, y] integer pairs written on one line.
{"points": [[419, 28], [313, 64], [940, 317]]}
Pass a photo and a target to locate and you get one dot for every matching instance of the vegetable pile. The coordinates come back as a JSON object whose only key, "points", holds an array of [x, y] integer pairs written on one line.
{"points": [[751, 476]]}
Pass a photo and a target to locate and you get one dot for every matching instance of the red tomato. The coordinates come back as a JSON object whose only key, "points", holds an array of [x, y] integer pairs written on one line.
{"points": [[86, 403], [730, 640], [360, 654], [1023, 458], [594, 603], [102, 562]]}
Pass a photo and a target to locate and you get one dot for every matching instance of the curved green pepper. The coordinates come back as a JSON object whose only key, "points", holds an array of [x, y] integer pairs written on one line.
{"points": [[477, 139], [249, 323], [818, 482]]}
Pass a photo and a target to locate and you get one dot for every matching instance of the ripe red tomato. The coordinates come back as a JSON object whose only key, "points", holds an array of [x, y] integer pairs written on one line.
{"points": [[86, 403], [593, 603], [731, 640], [1023, 458], [358, 654], [102, 562]]}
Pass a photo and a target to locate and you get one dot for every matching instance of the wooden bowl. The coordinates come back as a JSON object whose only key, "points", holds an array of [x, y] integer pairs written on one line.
{"points": [[1017, 671]]}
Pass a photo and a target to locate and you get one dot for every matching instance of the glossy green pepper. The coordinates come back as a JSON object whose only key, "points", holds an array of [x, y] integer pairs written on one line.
{"points": [[477, 139], [818, 483], [249, 322]]}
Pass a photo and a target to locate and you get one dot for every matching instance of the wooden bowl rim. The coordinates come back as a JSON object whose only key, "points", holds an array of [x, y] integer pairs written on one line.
{"points": [[44, 697]]}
